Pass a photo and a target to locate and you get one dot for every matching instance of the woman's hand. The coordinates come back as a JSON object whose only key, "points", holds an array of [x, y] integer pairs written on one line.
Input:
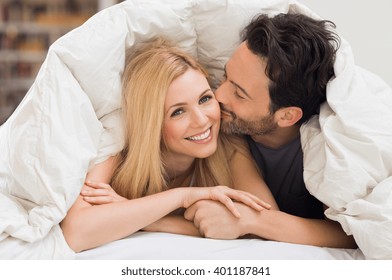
{"points": [[100, 193], [225, 195]]}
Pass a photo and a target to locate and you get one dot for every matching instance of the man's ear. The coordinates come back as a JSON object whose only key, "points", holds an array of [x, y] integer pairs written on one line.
{"points": [[288, 116]]}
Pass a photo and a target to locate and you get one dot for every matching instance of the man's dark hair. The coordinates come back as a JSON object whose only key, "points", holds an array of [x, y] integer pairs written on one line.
{"points": [[300, 54]]}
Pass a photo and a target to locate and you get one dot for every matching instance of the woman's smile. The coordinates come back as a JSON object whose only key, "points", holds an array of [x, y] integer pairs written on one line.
{"points": [[202, 137]]}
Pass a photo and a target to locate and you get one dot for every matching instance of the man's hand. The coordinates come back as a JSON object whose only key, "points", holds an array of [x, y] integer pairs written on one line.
{"points": [[214, 220], [225, 196]]}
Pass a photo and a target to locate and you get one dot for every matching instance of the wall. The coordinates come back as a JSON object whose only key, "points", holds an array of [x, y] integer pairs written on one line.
{"points": [[366, 25]]}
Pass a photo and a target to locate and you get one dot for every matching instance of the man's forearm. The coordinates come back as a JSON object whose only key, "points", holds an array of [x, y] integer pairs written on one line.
{"points": [[280, 226]]}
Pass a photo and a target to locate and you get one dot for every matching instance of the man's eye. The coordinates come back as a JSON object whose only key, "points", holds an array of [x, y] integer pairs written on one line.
{"points": [[238, 95], [205, 99], [177, 112]]}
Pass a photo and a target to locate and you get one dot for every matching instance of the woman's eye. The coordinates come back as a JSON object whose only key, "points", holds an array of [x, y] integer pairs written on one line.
{"points": [[205, 99], [177, 112]]}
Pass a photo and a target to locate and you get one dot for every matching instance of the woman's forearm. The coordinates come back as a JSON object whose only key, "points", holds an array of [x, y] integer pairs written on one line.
{"points": [[87, 226], [173, 224]]}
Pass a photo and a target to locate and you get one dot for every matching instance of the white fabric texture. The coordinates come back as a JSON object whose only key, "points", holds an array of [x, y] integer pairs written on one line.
{"points": [[166, 246], [70, 119], [348, 155]]}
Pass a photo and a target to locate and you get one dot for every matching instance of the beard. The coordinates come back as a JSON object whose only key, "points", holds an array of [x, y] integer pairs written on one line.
{"points": [[238, 126]]}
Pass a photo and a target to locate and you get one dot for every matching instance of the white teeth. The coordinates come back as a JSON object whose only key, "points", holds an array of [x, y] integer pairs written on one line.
{"points": [[200, 137]]}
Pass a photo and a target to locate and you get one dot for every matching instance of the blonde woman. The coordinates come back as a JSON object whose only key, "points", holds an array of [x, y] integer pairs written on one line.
{"points": [[171, 121]]}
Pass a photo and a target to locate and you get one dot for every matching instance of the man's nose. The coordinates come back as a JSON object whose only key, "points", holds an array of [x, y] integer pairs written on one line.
{"points": [[221, 92]]}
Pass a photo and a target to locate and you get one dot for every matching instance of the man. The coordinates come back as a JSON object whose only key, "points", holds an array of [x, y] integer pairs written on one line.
{"points": [[275, 81]]}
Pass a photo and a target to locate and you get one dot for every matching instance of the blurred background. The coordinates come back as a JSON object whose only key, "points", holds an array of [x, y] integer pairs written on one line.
{"points": [[29, 27]]}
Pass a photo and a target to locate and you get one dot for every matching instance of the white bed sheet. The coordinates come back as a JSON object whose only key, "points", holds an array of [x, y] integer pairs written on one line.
{"points": [[166, 246]]}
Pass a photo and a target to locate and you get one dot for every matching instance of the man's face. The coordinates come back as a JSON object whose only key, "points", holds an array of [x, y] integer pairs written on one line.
{"points": [[244, 96]]}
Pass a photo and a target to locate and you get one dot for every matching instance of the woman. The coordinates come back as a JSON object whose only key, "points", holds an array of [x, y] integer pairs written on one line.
{"points": [[171, 141]]}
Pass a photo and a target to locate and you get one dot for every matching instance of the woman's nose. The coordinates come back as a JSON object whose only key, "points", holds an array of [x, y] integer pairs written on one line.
{"points": [[200, 118]]}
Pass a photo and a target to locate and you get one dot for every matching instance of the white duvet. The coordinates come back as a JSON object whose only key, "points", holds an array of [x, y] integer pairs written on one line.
{"points": [[69, 120]]}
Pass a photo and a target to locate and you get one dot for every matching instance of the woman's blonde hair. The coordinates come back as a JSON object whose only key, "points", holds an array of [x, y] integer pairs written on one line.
{"points": [[148, 73]]}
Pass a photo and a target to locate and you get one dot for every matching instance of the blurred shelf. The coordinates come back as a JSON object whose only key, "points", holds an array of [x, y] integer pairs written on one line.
{"points": [[16, 84], [27, 29], [25, 56], [36, 27]]}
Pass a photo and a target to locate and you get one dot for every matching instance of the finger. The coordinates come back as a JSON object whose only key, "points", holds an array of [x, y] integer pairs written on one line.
{"points": [[97, 199], [190, 213], [97, 185], [196, 220], [245, 197], [250, 200], [225, 200], [201, 231], [95, 192], [247, 201], [86, 188], [259, 201], [196, 223]]}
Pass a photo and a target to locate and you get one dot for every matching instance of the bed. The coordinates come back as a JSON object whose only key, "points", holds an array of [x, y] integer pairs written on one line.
{"points": [[166, 246], [69, 120]]}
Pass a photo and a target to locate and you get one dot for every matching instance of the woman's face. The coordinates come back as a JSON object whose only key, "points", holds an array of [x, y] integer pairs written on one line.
{"points": [[192, 117]]}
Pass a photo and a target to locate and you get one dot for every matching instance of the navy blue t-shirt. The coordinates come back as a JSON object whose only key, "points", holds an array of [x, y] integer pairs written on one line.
{"points": [[282, 170]]}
